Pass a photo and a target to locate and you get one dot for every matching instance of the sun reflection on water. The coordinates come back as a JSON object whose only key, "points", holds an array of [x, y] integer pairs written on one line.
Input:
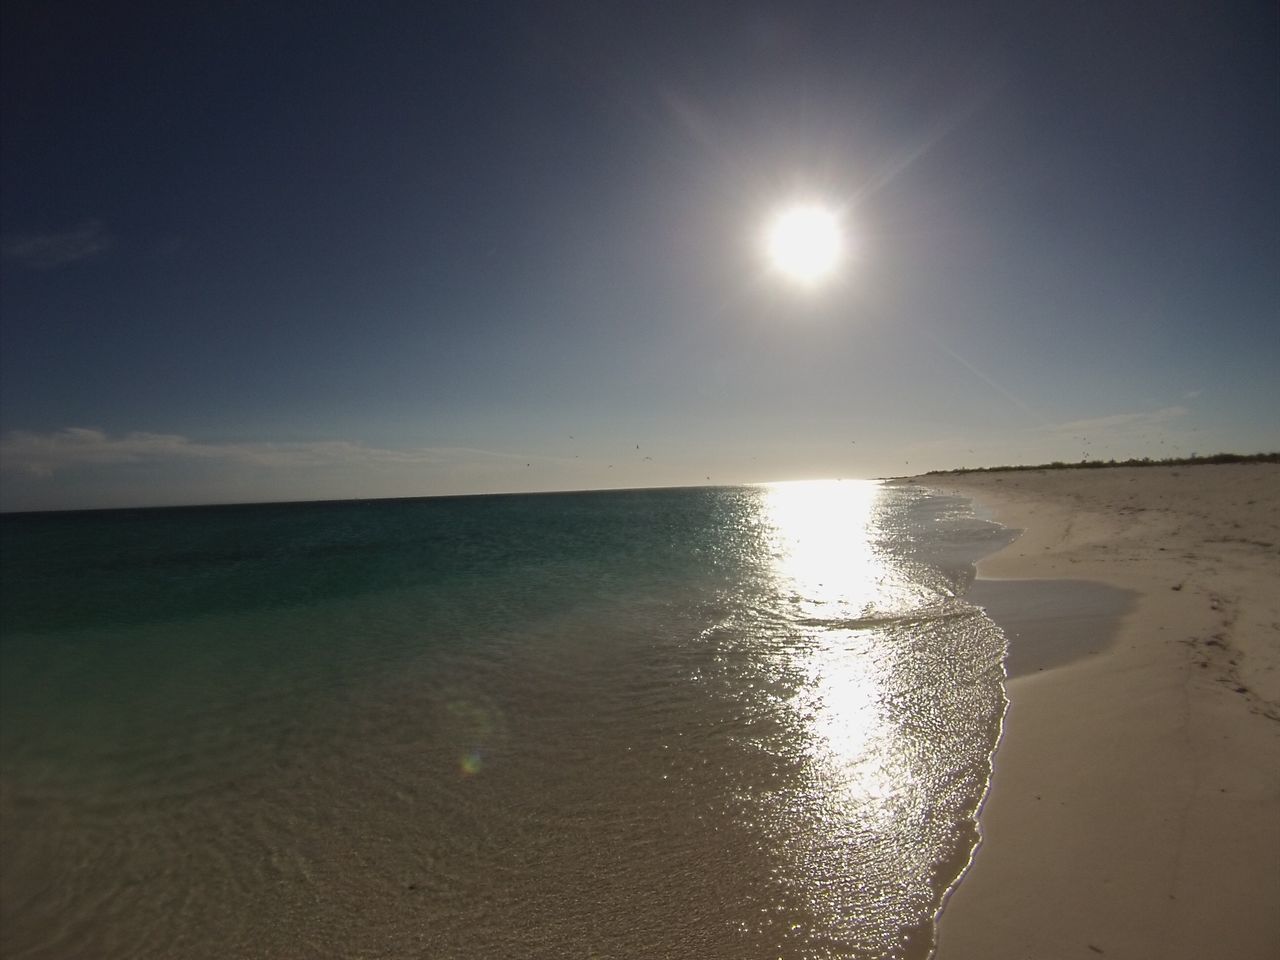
{"points": [[891, 710], [826, 561], [821, 546]]}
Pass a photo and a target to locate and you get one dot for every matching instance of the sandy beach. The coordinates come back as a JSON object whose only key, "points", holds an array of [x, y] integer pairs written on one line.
{"points": [[1134, 809]]}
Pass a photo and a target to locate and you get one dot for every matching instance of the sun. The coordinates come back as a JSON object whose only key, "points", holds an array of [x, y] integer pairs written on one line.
{"points": [[805, 243]]}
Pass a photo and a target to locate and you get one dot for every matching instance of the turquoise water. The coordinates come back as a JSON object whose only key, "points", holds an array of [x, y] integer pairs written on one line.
{"points": [[733, 722]]}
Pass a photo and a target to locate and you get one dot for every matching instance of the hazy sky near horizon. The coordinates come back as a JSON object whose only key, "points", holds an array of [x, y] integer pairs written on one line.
{"points": [[288, 251]]}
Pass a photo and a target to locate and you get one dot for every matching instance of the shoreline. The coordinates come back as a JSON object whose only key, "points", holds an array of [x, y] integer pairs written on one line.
{"points": [[1134, 804]]}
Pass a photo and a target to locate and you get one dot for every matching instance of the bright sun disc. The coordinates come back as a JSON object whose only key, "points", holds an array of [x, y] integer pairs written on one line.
{"points": [[805, 243]]}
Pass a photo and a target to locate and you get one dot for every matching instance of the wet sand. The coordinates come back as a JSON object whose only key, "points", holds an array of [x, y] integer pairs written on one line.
{"points": [[1134, 809]]}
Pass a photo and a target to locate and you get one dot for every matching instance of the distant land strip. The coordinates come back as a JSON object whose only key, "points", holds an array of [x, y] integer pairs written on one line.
{"points": [[1192, 461]]}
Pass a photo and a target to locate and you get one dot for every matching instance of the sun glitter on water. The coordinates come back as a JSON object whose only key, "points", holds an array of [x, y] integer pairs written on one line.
{"points": [[805, 243]]}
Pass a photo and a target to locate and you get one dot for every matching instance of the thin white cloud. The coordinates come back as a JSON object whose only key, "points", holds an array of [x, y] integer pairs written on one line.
{"points": [[43, 454], [1123, 421], [1151, 433], [45, 251]]}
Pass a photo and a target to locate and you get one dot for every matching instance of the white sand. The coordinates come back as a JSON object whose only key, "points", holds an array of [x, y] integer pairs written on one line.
{"points": [[1135, 805]]}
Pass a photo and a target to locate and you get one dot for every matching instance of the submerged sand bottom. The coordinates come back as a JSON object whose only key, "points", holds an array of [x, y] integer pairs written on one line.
{"points": [[1134, 809], [736, 723]]}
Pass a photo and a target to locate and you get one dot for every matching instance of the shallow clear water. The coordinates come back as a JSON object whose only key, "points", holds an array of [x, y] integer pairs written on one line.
{"points": [[734, 722]]}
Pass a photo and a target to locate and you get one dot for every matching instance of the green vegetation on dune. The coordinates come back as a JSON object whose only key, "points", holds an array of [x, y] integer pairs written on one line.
{"points": [[1192, 461]]}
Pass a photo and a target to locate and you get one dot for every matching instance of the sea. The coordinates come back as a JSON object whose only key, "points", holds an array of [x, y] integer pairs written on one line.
{"points": [[719, 722]]}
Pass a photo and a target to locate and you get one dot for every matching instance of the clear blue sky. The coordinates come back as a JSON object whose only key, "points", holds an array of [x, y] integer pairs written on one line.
{"points": [[286, 251]]}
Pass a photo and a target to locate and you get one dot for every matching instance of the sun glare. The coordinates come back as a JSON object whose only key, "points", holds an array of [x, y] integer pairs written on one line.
{"points": [[805, 243]]}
